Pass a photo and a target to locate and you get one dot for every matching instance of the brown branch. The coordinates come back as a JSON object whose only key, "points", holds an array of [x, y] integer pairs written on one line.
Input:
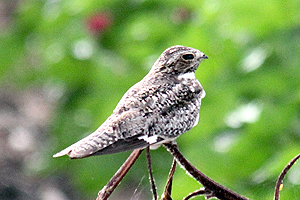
{"points": [[196, 193], [282, 175], [151, 178], [212, 188], [168, 189], [106, 191]]}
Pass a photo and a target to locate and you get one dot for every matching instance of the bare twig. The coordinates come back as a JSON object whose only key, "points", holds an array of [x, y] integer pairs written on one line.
{"points": [[196, 193], [282, 175], [168, 189], [212, 188], [106, 191], [151, 178]]}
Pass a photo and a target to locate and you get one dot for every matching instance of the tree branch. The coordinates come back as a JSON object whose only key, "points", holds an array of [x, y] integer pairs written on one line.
{"points": [[196, 193], [106, 191], [212, 188], [151, 178], [168, 189], [282, 175]]}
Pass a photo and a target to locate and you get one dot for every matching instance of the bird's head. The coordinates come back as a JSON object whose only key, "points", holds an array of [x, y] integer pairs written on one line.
{"points": [[179, 60]]}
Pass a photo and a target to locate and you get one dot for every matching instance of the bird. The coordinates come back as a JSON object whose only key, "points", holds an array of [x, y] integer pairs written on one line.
{"points": [[156, 110]]}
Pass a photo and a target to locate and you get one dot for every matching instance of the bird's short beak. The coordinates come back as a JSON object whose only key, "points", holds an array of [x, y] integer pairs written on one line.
{"points": [[204, 57]]}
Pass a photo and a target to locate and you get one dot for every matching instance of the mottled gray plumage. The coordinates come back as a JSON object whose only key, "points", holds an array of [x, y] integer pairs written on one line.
{"points": [[159, 108]]}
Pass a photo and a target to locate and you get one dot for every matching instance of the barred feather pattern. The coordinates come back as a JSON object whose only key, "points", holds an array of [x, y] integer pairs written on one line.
{"points": [[159, 108]]}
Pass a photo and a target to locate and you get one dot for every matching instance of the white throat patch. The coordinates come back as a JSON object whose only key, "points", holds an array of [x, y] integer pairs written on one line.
{"points": [[190, 75]]}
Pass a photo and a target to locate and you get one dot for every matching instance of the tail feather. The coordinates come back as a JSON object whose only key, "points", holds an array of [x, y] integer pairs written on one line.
{"points": [[88, 145], [63, 152], [80, 149]]}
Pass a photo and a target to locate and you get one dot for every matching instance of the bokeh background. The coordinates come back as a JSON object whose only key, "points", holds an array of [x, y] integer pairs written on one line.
{"points": [[64, 65]]}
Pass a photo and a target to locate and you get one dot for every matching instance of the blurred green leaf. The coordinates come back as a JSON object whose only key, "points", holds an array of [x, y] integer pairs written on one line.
{"points": [[253, 49]]}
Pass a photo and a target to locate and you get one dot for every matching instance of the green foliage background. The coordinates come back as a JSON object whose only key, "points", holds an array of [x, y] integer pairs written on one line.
{"points": [[38, 49]]}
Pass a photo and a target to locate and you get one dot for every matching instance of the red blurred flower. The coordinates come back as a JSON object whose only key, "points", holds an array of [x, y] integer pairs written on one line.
{"points": [[99, 22]]}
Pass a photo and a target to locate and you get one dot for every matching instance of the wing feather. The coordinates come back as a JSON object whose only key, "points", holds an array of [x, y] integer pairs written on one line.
{"points": [[167, 109]]}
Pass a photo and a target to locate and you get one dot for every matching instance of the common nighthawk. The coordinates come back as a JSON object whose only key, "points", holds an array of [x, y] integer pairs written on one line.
{"points": [[159, 108]]}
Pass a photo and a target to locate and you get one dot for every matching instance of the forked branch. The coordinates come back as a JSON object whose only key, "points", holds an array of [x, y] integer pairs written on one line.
{"points": [[211, 188]]}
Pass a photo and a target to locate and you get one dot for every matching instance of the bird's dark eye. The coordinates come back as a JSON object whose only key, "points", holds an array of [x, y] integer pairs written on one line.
{"points": [[188, 56]]}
